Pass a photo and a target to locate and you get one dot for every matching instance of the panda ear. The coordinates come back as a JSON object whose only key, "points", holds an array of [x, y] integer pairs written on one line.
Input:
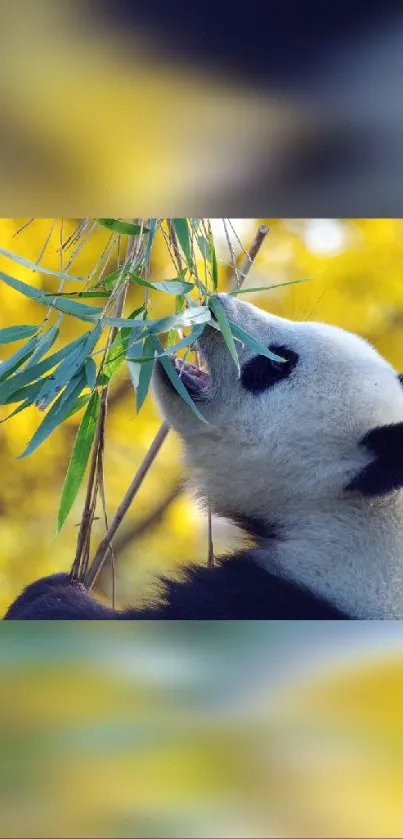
{"points": [[385, 472]]}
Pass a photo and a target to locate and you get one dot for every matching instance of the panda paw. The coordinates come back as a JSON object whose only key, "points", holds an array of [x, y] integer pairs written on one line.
{"points": [[47, 598]]}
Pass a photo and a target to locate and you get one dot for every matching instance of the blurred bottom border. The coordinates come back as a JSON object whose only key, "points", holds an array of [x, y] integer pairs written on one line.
{"points": [[246, 729]]}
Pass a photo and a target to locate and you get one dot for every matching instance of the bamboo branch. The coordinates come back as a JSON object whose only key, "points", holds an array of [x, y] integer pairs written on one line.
{"points": [[105, 545], [241, 273], [137, 530]]}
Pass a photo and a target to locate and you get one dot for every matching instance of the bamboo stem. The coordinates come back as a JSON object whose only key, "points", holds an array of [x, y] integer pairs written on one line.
{"points": [[105, 544]]}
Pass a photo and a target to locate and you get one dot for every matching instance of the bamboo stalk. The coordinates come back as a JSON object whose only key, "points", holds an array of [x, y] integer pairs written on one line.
{"points": [[105, 544]]}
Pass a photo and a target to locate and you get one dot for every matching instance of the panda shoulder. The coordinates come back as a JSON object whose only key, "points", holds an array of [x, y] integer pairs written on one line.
{"points": [[240, 588]]}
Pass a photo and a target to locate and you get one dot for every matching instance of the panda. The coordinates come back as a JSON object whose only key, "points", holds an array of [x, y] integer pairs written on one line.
{"points": [[305, 455]]}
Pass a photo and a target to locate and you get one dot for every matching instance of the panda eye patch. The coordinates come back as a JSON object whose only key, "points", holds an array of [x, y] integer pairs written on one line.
{"points": [[261, 372]]}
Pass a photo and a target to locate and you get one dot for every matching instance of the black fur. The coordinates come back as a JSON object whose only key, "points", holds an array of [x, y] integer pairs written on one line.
{"points": [[385, 472], [255, 526], [237, 589], [261, 372]]}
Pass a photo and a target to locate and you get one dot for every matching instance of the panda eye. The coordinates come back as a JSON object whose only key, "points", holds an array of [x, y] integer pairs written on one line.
{"points": [[261, 372]]}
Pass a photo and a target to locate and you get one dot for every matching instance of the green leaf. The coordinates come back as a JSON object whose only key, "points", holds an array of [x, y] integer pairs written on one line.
{"points": [[74, 294], [19, 380], [80, 402], [267, 287], [16, 359], [16, 333], [79, 310], [253, 343], [151, 234], [126, 332], [110, 280], [134, 370], [69, 367], [56, 415], [145, 374], [90, 373], [213, 260], [118, 350], [204, 247], [26, 404], [225, 328], [28, 393], [198, 314], [180, 303], [79, 458], [119, 226], [44, 344], [172, 337], [181, 228], [115, 357], [174, 287], [168, 286], [174, 378], [39, 268], [187, 341]]}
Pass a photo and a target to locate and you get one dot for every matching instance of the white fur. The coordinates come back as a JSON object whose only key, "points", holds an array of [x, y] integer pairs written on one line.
{"points": [[286, 455]]}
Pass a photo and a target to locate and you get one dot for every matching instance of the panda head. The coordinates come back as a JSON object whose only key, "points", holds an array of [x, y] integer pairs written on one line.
{"points": [[321, 429]]}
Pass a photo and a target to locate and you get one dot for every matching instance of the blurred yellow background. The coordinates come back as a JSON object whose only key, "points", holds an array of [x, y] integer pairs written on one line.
{"points": [[223, 729], [246, 730]]}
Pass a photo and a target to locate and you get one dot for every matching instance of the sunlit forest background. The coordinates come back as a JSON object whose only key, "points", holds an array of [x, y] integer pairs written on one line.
{"points": [[246, 730]]}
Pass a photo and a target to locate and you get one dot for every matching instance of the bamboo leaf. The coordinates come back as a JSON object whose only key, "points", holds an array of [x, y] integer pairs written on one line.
{"points": [[69, 367], [134, 370], [70, 307], [39, 268], [181, 228], [194, 315], [204, 247], [79, 310], [79, 458], [56, 415], [213, 260], [168, 286], [118, 350], [238, 291], [118, 226], [110, 280], [44, 344], [79, 294], [17, 333], [26, 404], [17, 359], [225, 328], [151, 234], [175, 380], [80, 402], [19, 380], [180, 303], [145, 374], [253, 343], [187, 341], [90, 373], [28, 393]]}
